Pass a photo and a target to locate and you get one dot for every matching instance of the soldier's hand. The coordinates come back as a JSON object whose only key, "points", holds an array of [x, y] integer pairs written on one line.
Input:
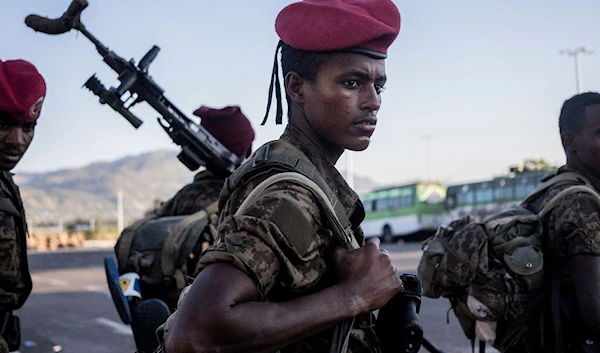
{"points": [[367, 274]]}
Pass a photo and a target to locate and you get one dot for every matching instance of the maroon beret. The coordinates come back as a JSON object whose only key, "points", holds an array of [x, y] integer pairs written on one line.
{"points": [[228, 125], [365, 26], [22, 90]]}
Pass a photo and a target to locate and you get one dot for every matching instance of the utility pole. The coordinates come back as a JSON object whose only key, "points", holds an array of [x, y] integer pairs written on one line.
{"points": [[350, 168], [120, 223], [576, 53]]}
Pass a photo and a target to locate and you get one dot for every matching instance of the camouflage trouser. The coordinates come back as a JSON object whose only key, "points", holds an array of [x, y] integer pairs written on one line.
{"points": [[3, 345]]}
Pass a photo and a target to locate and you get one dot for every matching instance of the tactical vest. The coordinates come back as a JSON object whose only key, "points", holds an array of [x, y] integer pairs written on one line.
{"points": [[279, 161], [281, 156], [19, 286]]}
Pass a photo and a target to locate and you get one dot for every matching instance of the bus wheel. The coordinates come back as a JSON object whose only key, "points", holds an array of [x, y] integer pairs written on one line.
{"points": [[387, 236]]}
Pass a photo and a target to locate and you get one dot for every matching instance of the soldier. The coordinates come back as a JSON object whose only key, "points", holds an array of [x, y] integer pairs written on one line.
{"points": [[277, 279], [22, 91], [572, 238], [231, 127]]}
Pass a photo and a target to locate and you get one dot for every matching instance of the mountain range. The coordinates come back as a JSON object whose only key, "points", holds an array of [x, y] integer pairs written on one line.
{"points": [[90, 192]]}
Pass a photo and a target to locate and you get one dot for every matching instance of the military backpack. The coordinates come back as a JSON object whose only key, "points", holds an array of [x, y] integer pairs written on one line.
{"points": [[162, 251], [492, 269]]}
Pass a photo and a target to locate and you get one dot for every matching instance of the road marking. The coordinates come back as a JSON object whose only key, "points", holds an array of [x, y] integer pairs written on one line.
{"points": [[58, 282], [100, 290], [96, 289], [406, 269], [117, 327], [409, 255]]}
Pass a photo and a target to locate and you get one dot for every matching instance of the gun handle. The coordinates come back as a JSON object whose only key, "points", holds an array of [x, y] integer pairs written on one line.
{"points": [[134, 120], [148, 58]]}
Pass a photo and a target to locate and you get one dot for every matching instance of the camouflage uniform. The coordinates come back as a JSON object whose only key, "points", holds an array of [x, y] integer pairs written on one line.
{"points": [[572, 227], [15, 280], [193, 197], [287, 267]]}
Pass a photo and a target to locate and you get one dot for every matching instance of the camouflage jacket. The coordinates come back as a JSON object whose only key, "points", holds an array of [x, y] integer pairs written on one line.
{"points": [[193, 197], [286, 267], [15, 280], [571, 228]]}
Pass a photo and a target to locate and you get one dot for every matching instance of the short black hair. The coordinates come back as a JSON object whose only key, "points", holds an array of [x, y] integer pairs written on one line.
{"points": [[572, 114], [304, 63]]}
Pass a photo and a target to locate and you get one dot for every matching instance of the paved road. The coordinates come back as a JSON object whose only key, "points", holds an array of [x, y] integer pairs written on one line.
{"points": [[70, 307]]}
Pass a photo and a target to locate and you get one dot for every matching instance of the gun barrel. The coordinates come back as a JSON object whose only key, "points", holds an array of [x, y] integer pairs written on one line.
{"points": [[94, 85]]}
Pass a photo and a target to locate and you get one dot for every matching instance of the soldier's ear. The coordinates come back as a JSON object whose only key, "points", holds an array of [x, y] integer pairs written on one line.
{"points": [[569, 141], [294, 87]]}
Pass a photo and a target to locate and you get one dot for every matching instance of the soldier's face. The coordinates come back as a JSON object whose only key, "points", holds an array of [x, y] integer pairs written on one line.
{"points": [[588, 139], [341, 104], [15, 138]]}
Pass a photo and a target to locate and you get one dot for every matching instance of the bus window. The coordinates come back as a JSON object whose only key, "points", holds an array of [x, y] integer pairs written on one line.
{"points": [[523, 188], [465, 196], [408, 200], [450, 201], [503, 191], [382, 204], [483, 194]]}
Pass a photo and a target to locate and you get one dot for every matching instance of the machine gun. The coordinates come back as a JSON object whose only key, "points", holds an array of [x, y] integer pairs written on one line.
{"points": [[198, 146]]}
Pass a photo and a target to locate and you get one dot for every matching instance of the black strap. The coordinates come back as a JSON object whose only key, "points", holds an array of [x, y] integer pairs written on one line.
{"points": [[555, 305], [4, 317], [6, 205], [275, 85]]}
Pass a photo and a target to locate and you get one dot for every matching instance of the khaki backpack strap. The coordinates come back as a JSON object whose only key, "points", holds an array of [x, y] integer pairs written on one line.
{"points": [[566, 192], [178, 238], [572, 177], [123, 245], [282, 156], [332, 216], [341, 332]]}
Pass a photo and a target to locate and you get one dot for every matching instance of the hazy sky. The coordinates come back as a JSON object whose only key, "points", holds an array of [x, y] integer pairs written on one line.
{"points": [[483, 78]]}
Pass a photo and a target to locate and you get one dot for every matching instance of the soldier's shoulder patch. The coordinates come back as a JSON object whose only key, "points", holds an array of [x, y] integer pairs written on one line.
{"points": [[294, 224]]}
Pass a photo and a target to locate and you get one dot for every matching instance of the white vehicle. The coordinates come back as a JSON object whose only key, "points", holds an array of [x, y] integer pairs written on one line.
{"points": [[404, 210]]}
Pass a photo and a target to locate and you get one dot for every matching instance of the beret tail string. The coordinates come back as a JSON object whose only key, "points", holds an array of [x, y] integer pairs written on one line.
{"points": [[275, 85]]}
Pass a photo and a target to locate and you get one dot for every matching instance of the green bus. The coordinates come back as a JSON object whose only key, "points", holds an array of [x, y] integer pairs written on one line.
{"points": [[487, 197], [404, 210]]}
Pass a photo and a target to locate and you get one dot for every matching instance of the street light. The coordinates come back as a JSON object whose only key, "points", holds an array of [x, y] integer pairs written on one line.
{"points": [[576, 52]]}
